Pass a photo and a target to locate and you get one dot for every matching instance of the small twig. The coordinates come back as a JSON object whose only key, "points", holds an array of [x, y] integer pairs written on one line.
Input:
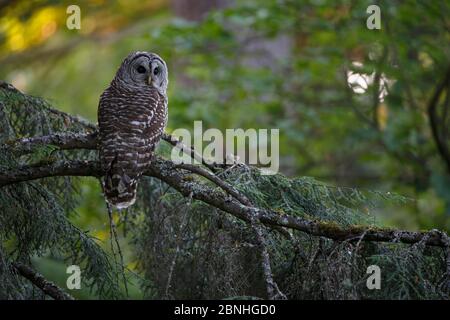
{"points": [[190, 151], [360, 240], [177, 251], [219, 182], [48, 287], [114, 237], [273, 292], [316, 254]]}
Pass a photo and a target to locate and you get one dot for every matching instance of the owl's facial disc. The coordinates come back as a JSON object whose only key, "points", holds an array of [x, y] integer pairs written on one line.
{"points": [[158, 74], [143, 69], [139, 70]]}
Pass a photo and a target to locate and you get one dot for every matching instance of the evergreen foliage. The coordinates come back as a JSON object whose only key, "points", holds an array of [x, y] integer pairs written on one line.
{"points": [[187, 249], [35, 216], [183, 248]]}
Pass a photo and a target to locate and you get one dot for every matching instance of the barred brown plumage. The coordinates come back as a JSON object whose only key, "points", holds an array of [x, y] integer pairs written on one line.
{"points": [[132, 116]]}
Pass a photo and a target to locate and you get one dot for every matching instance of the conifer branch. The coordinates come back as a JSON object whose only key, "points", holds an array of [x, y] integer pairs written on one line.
{"points": [[273, 292], [48, 287], [167, 171], [190, 151], [219, 182], [66, 141], [73, 140], [52, 169]]}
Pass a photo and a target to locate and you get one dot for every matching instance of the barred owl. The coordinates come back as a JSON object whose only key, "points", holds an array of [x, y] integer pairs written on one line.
{"points": [[132, 115]]}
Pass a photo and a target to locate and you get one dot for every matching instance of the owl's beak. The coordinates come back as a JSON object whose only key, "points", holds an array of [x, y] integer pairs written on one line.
{"points": [[149, 80]]}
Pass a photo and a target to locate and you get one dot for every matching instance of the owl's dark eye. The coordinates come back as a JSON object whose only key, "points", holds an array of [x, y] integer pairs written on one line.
{"points": [[141, 69], [156, 71]]}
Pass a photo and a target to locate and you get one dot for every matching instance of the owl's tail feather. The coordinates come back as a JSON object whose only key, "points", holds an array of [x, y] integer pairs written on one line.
{"points": [[119, 188]]}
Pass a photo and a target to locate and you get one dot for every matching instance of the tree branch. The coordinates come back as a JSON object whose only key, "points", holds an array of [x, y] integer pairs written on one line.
{"points": [[168, 172], [55, 169], [219, 182], [66, 141], [273, 292], [72, 140], [48, 287], [190, 151], [434, 119]]}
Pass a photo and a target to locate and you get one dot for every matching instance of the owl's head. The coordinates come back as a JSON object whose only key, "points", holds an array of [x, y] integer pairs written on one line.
{"points": [[141, 69]]}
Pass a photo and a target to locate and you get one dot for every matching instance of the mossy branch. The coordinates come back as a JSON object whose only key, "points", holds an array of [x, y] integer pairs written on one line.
{"points": [[48, 287], [170, 173]]}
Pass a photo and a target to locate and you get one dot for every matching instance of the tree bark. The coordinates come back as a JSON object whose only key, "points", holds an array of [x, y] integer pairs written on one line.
{"points": [[176, 177]]}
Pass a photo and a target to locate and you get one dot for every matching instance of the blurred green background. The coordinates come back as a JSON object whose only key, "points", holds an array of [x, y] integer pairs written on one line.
{"points": [[351, 103]]}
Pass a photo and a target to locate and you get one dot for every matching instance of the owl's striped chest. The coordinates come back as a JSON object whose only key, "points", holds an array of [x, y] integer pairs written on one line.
{"points": [[133, 111]]}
